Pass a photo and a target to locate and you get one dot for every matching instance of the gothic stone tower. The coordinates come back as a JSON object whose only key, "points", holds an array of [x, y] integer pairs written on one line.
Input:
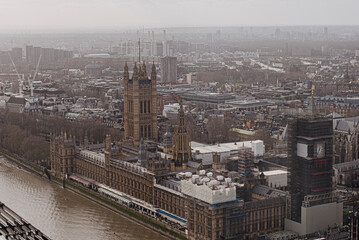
{"points": [[140, 110], [182, 148], [62, 154]]}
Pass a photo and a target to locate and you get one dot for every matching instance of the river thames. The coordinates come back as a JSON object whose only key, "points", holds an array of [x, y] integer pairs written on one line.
{"points": [[61, 214]]}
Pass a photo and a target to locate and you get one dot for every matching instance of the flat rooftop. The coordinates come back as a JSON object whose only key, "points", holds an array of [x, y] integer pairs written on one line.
{"points": [[222, 147], [275, 172]]}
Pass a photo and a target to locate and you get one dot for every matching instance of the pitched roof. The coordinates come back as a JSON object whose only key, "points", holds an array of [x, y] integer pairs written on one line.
{"points": [[268, 191], [347, 124], [334, 115], [16, 100], [352, 119], [343, 126]]}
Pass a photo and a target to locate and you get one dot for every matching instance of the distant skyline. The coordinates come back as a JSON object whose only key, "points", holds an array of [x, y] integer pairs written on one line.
{"points": [[118, 14]]}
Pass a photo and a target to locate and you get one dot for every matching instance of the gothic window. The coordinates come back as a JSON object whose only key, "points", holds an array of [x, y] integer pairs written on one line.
{"points": [[149, 131], [141, 131], [149, 106], [145, 131], [144, 106]]}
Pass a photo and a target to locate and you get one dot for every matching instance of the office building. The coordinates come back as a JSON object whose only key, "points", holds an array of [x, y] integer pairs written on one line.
{"points": [[168, 69]]}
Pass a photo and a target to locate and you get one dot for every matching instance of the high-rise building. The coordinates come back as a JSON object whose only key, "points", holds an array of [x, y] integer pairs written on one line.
{"points": [[16, 54], [37, 53], [140, 109], [169, 69], [29, 51], [312, 205], [47, 54]]}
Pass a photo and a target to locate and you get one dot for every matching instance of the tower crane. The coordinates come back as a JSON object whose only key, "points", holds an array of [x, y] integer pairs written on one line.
{"points": [[21, 82], [33, 79]]}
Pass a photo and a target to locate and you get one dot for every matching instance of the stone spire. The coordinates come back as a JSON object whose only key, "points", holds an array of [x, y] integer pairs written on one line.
{"points": [[312, 109], [142, 154], [108, 143], [182, 148], [144, 68], [86, 141], [125, 72], [167, 137], [153, 72], [142, 71]]}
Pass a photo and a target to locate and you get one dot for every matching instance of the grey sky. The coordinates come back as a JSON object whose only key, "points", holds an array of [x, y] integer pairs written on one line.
{"points": [[71, 14]]}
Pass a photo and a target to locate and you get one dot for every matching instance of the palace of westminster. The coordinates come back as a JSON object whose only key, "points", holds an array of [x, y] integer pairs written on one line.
{"points": [[214, 203]]}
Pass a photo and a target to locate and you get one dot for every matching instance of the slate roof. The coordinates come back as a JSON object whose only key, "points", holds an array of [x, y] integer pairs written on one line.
{"points": [[347, 124], [344, 126], [16, 100], [268, 191], [334, 115], [352, 119], [14, 227]]}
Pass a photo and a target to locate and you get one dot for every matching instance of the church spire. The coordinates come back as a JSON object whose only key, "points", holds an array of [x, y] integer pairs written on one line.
{"points": [[142, 154], [153, 72], [126, 75], [144, 68], [139, 51], [182, 148], [136, 73], [312, 108]]}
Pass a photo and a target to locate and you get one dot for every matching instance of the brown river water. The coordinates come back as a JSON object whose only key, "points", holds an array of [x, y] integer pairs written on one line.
{"points": [[61, 214]]}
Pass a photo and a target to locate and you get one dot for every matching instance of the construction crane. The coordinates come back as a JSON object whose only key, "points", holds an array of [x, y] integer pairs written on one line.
{"points": [[21, 82], [33, 79]]}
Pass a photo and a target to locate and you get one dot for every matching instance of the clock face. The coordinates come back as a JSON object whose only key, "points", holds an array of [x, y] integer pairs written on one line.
{"points": [[320, 150]]}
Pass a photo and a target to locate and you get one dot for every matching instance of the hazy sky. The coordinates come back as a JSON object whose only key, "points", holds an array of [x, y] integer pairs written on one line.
{"points": [[72, 14]]}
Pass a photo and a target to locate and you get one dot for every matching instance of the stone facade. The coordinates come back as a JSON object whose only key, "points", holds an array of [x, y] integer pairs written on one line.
{"points": [[346, 139], [182, 147], [154, 185], [346, 146], [140, 104], [62, 154]]}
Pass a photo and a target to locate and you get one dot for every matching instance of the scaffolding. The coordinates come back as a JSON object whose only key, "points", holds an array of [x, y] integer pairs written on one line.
{"points": [[310, 174], [245, 161]]}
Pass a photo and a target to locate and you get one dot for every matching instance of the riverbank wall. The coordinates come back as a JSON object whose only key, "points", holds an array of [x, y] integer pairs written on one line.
{"points": [[124, 211]]}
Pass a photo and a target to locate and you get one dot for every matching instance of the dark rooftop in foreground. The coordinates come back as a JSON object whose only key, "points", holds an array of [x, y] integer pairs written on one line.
{"points": [[12, 226]]}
